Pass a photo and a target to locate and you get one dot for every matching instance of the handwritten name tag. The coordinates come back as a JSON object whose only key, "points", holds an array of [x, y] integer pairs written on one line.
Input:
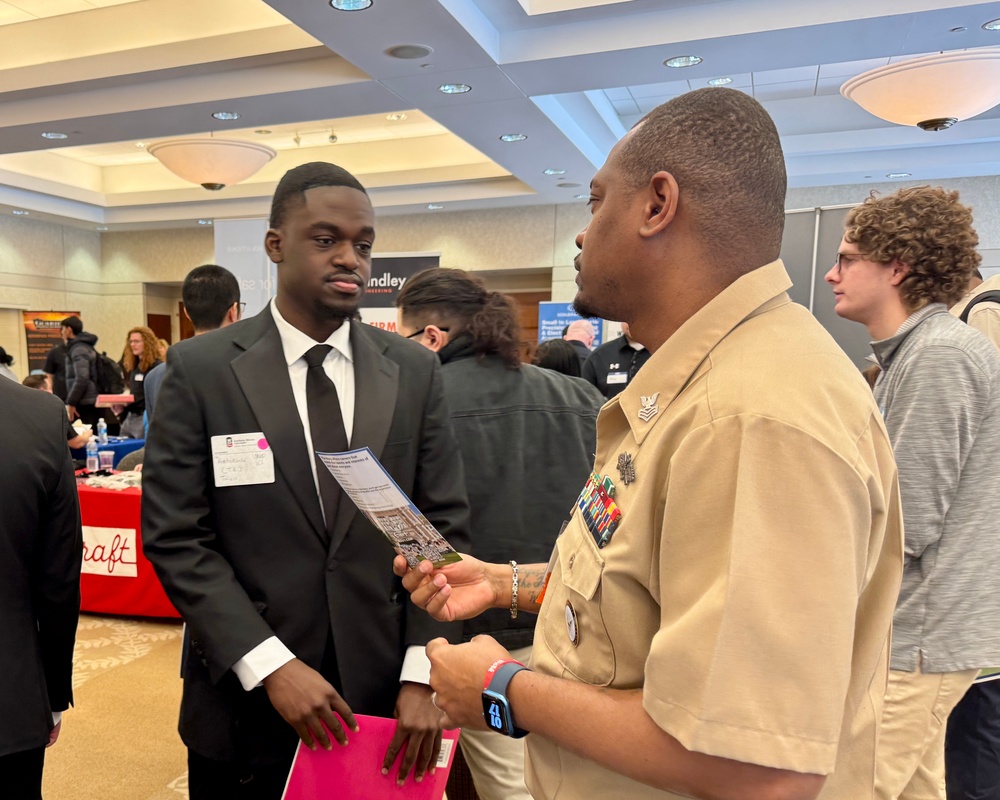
{"points": [[242, 459]]}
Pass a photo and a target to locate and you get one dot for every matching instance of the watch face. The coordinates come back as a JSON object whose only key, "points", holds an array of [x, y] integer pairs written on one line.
{"points": [[495, 713]]}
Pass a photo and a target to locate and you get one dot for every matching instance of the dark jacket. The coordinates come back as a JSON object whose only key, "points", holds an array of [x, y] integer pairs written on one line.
{"points": [[527, 439], [81, 357], [40, 551], [136, 384], [612, 366], [582, 351]]}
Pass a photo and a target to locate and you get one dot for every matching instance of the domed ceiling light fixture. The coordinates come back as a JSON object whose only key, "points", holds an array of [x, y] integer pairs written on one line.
{"points": [[932, 92], [212, 163]]}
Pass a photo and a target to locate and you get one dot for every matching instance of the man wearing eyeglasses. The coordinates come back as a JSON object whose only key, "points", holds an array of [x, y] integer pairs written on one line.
{"points": [[903, 260], [211, 296]]}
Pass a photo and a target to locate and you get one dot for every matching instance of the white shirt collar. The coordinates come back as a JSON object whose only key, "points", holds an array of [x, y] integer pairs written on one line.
{"points": [[295, 344]]}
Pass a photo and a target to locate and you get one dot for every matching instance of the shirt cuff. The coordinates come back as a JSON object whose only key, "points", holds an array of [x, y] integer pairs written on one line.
{"points": [[260, 662], [416, 666], [56, 718]]}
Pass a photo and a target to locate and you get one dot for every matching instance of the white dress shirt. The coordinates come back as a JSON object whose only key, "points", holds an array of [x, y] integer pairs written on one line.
{"points": [[271, 654]]}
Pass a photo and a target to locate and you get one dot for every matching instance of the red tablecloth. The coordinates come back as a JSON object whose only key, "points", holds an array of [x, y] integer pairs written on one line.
{"points": [[117, 578]]}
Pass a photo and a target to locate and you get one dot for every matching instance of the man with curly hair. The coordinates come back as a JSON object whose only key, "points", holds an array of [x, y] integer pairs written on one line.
{"points": [[903, 260]]}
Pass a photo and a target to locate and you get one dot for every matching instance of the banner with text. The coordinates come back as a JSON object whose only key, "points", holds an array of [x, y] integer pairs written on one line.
{"points": [[553, 317], [239, 247], [109, 551], [41, 331], [389, 273]]}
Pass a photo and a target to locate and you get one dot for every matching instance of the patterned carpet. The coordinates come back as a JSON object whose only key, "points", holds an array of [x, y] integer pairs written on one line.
{"points": [[120, 741]]}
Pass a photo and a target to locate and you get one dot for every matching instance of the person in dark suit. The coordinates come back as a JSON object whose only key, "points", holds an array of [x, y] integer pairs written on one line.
{"points": [[283, 585], [40, 552]]}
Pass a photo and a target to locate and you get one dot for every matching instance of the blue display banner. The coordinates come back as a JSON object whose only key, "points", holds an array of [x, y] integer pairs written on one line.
{"points": [[553, 317]]}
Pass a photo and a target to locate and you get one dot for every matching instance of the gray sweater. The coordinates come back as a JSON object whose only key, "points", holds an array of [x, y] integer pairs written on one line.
{"points": [[940, 395]]}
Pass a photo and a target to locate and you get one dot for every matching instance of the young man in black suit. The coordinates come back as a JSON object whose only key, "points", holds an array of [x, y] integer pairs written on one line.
{"points": [[40, 552], [284, 586]]}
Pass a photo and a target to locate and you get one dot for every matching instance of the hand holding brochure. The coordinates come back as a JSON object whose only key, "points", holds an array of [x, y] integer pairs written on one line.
{"points": [[388, 508], [355, 772]]}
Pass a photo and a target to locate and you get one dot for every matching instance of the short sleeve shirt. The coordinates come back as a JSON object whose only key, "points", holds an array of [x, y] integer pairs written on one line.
{"points": [[749, 588]]}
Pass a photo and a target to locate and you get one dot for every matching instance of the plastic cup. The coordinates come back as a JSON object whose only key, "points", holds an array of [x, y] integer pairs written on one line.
{"points": [[107, 458]]}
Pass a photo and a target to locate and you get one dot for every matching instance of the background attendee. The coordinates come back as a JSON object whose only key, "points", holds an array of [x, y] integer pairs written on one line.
{"points": [[41, 544], [613, 365], [730, 638], [280, 580], [211, 296], [984, 316], [972, 740], [5, 365], [81, 359], [526, 436], [55, 368], [74, 438], [164, 345], [141, 354], [903, 259], [580, 334], [558, 355]]}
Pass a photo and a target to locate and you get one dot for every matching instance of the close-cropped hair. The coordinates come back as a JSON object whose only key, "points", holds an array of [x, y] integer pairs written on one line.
{"points": [[929, 231], [296, 182], [453, 299], [150, 351], [74, 323], [209, 291], [723, 150], [558, 355]]}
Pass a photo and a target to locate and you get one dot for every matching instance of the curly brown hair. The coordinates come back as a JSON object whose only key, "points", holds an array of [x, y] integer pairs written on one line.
{"points": [[150, 351], [928, 230]]}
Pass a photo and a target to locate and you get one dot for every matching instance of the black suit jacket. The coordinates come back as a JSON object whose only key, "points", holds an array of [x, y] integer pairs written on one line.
{"points": [[246, 563], [40, 552]]}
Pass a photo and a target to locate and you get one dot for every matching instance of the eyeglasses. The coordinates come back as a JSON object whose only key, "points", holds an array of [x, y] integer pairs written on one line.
{"points": [[242, 307], [844, 260], [418, 333]]}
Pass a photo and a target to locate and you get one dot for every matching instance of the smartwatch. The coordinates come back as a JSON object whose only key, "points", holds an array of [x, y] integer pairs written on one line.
{"points": [[496, 706]]}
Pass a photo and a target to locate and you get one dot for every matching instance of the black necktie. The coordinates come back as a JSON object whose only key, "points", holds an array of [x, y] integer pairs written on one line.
{"points": [[326, 423]]}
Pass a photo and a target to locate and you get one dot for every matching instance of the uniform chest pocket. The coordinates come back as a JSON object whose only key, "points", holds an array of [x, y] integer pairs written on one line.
{"points": [[572, 621]]}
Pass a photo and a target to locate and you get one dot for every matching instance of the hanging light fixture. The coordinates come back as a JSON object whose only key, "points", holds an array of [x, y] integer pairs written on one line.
{"points": [[932, 92], [213, 163]]}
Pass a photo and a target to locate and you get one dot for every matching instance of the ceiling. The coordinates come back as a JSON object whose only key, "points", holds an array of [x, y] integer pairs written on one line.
{"points": [[572, 75]]}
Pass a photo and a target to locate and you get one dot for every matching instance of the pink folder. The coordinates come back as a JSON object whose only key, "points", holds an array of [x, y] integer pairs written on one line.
{"points": [[355, 772]]}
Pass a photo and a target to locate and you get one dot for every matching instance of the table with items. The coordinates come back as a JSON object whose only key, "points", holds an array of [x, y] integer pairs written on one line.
{"points": [[117, 578], [121, 446]]}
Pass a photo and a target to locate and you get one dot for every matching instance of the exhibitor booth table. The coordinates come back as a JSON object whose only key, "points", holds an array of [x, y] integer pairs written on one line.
{"points": [[119, 445], [117, 578]]}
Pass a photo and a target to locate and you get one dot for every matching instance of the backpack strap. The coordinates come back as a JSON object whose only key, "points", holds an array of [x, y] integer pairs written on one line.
{"points": [[985, 297]]}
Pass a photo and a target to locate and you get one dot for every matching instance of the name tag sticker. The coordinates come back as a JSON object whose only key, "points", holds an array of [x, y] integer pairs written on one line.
{"points": [[138, 378], [617, 377], [242, 459]]}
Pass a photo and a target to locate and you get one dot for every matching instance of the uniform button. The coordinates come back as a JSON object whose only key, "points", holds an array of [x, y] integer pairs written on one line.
{"points": [[572, 558]]}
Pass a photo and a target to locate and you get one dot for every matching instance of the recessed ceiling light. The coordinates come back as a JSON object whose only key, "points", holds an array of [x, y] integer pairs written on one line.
{"points": [[992, 25], [351, 5], [720, 82], [54, 135], [454, 88], [551, 171], [262, 131], [513, 137], [226, 115], [582, 196], [397, 117], [102, 227], [204, 222], [682, 61], [409, 51], [434, 207], [898, 174], [140, 144], [19, 212]]}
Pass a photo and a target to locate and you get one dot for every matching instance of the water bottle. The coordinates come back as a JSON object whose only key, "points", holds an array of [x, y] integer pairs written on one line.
{"points": [[102, 431], [93, 464]]}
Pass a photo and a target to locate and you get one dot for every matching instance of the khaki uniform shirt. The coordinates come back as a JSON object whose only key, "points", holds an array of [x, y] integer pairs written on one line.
{"points": [[984, 317], [750, 586]]}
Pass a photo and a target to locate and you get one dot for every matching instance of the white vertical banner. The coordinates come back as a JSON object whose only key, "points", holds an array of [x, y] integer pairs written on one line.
{"points": [[239, 247]]}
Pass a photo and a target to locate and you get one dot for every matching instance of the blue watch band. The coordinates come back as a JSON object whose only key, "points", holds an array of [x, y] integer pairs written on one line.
{"points": [[497, 691]]}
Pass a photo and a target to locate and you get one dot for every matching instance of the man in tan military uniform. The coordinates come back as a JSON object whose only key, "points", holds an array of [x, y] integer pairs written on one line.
{"points": [[728, 636]]}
